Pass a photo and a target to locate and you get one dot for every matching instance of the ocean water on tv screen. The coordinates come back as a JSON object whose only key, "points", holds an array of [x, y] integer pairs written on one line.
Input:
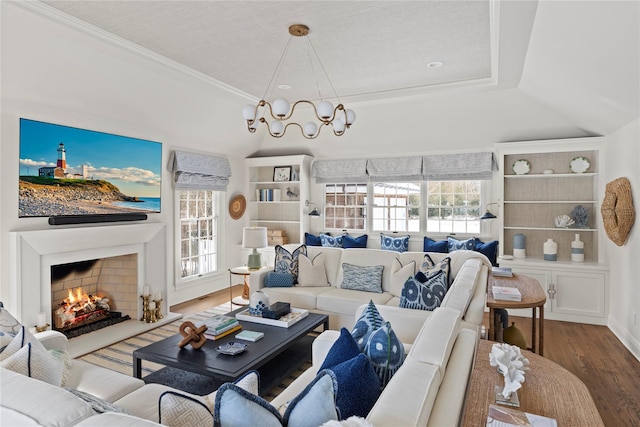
{"points": [[151, 204]]}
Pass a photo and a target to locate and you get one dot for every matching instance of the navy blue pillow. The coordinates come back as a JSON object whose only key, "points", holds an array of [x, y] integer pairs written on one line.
{"points": [[358, 386], [343, 349], [312, 240], [278, 280], [431, 245], [354, 242], [489, 249]]}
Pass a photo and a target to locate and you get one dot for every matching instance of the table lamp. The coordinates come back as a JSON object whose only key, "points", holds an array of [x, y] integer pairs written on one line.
{"points": [[254, 237]]}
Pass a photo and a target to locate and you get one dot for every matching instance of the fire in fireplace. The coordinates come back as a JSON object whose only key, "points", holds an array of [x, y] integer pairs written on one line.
{"points": [[92, 294]]}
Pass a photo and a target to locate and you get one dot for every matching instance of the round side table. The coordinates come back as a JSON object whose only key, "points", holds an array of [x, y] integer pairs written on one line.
{"points": [[245, 273]]}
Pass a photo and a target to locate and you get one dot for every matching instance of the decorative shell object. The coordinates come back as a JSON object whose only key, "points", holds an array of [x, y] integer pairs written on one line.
{"points": [[564, 221], [581, 216]]}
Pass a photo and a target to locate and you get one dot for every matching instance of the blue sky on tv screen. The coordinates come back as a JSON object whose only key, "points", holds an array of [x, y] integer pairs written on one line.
{"points": [[133, 165]]}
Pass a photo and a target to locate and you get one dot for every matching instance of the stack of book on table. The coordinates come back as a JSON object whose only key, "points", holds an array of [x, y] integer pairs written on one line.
{"points": [[501, 272], [506, 293], [220, 325]]}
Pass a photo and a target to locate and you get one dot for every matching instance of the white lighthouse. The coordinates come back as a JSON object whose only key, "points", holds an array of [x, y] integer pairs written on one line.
{"points": [[62, 158]]}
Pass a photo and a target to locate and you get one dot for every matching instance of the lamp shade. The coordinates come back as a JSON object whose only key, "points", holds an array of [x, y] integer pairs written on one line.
{"points": [[254, 237]]}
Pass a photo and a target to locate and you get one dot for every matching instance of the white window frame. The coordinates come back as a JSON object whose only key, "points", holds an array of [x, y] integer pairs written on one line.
{"points": [[218, 197], [394, 208], [365, 207], [485, 226]]}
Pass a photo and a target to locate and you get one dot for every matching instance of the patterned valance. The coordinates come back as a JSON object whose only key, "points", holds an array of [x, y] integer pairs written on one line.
{"points": [[456, 167], [337, 171], [395, 169], [199, 171]]}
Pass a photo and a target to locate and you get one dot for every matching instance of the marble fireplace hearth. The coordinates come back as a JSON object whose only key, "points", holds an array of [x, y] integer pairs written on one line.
{"points": [[34, 252]]}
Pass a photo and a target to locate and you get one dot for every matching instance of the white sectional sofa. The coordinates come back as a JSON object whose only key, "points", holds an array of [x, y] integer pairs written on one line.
{"points": [[429, 388], [469, 270]]}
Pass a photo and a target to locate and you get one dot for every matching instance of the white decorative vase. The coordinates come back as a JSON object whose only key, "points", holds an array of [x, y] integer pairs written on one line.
{"points": [[577, 250], [258, 302], [550, 250]]}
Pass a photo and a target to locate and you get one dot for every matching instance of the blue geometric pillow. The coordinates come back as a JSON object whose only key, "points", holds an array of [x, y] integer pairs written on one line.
{"points": [[331, 242], [431, 245], [278, 280], [362, 278], [424, 296], [392, 243], [286, 262], [385, 352], [354, 242], [458, 245], [315, 405], [429, 268], [369, 321], [489, 249]]}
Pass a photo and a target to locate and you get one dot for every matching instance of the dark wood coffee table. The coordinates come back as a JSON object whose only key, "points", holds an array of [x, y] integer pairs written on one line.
{"points": [[207, 361]]}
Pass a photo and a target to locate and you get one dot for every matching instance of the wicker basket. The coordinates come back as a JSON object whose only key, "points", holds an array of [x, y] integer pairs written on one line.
{"points": [[618, 214]]}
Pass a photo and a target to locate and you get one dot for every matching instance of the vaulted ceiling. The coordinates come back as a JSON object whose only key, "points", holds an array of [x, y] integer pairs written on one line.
{"points": [[542, 69]]}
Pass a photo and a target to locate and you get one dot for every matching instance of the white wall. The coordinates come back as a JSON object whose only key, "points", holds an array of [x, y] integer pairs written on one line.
{"points": [[623, 158], [54, 72]]}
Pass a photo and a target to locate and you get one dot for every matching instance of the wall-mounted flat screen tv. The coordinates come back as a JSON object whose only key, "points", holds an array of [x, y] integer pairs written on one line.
{"points": [[70, 171]]}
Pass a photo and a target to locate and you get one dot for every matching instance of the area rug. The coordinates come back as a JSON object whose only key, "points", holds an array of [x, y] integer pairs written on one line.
{"points": [[274, 376]]}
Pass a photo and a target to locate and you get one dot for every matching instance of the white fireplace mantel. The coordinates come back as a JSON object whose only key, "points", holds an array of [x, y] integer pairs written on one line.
{"points": [[33, 252]]}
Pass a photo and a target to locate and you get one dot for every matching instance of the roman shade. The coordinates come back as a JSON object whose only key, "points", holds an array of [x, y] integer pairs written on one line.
{"points": [[199, 171], [395, 169], [338, 171], [455, 167]]}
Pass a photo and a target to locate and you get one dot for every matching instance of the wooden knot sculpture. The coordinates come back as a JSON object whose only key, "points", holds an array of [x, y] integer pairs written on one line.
{"points": [[192, 335]]}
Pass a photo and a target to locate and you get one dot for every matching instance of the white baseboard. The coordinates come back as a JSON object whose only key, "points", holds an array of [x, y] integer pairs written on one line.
{"points": [[632, 344]]}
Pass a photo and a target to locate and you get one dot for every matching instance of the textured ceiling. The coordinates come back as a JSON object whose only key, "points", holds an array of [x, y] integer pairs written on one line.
{"points": [[366, 47]]}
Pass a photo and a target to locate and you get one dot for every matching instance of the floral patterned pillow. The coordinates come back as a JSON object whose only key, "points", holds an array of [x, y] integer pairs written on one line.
{"points": [[287, 262]]}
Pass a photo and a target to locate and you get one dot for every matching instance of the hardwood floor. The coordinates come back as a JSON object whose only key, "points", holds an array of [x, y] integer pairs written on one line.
{"points": [[590, 352]]}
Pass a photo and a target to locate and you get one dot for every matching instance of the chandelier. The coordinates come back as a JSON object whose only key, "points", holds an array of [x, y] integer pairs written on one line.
{"points": [[281, 112]]}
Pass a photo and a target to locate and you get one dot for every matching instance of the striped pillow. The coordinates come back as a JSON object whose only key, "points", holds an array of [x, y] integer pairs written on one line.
{"points": [[368, 278]]}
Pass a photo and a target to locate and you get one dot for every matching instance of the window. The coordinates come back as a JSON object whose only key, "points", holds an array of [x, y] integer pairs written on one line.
{"points": [[345, 206], [396, 206], [199, 232], [453, 206]]}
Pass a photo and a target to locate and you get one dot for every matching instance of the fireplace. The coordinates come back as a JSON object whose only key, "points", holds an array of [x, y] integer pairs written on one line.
{"points": [[33, 253], [93, 294]]}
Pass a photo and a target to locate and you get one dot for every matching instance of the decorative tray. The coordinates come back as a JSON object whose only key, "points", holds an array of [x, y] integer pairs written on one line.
{"points": [[231, 348], [296, 315]]}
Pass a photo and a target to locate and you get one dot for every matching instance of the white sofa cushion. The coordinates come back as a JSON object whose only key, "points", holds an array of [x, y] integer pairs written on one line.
{"points": [[347, 301], [298, 296], [312, 271], [101, 382], [46, 404], [114, 419], [369, 257], [435, 340], [399, 275]]}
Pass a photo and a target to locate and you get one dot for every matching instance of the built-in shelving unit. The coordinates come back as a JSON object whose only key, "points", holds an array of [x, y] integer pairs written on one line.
{"points": [[529, 204], [278, 204]]}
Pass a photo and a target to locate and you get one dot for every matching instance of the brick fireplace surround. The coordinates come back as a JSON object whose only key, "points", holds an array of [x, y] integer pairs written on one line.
{"points": [[33, 253]]}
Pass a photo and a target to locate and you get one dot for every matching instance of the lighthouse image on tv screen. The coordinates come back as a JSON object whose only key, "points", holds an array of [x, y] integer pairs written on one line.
{"points": [[71, 171]]}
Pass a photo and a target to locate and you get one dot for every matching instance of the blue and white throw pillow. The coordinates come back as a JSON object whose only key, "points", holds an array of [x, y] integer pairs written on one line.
{"points": [[394, 243], [367, 278], [429, 268], [330, 241], [314, 406], [424, 296], [385, 352], [287, 262], [369, 321], [458, 245], [9, 328], [278, 280]]}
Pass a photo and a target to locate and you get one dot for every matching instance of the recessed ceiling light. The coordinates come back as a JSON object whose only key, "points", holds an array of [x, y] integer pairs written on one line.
{"points": [[285, 86], [435, 64]]}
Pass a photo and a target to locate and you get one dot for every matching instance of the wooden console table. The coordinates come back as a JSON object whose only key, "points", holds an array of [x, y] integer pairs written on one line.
{"points": [[533, 297], [548, 390]]}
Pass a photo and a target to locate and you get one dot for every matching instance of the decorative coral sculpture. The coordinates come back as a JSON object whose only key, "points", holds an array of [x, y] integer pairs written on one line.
{"points": [[564, 221], [581, 216]]}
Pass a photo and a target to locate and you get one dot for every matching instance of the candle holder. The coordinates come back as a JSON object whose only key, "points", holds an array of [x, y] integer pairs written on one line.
{"points": [[148, 315], [42, 328], [158, 312]]}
